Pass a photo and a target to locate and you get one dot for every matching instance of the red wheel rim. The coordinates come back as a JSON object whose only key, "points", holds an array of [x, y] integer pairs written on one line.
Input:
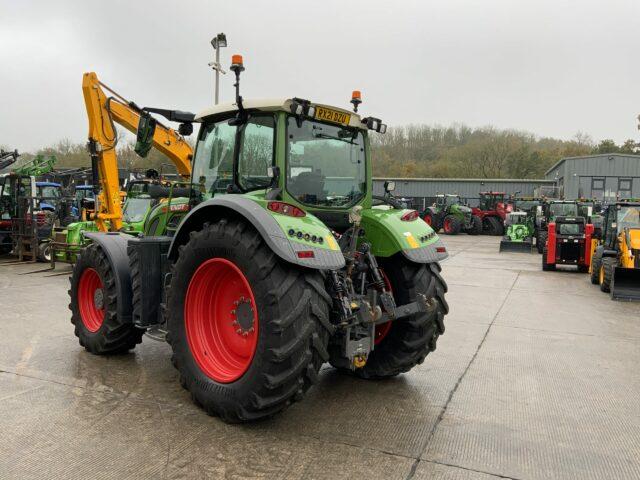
{"points": [[221, 320], [91, 300], [427, 219], [447, 225], [382, 329]]}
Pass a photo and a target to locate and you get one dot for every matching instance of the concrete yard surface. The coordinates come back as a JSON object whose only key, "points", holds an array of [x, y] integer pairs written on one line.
{"points": [[536, 377]]}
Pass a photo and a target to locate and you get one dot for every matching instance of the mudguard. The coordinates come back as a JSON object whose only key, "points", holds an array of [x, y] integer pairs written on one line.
{"points": [[274, 232], [114, 245], [388, 234]]}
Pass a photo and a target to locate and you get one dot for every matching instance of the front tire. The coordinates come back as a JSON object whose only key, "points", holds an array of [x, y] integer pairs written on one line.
{"points": [[547, 267], [541, 241], [476, 226], [248, 357], [606, 273], [94, 306], [596, 263], [409, 340]]}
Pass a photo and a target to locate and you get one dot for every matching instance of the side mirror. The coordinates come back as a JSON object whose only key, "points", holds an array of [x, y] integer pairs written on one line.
{"points": [[144, 135], [389, 186]]}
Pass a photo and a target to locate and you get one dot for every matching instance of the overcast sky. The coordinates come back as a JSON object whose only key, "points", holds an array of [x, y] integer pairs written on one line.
{"points": [[551, 67]]}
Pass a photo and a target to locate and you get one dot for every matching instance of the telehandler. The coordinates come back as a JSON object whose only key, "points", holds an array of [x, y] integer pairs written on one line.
{"points": [[616, 253], [284, 261]]}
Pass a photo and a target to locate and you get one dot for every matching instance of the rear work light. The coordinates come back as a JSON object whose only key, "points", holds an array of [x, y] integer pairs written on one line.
{"points": [[285, 209], [410, 216]]}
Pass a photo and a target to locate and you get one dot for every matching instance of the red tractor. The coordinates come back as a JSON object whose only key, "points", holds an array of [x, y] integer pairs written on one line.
{"points": [[568, 243], [492, 211]]}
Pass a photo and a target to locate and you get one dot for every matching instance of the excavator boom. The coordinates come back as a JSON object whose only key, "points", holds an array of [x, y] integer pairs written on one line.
{"points": [[103, 112]]}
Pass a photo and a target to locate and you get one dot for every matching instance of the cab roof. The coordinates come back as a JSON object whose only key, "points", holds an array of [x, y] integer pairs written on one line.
{"points": [[272, 105]]}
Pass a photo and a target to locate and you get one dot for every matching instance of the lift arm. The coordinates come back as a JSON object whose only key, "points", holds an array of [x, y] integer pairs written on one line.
{"points": [[102, 112]]}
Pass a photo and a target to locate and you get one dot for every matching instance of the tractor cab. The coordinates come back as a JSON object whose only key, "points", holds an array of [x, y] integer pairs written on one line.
{"points": [[49, 195], [546, 213]]}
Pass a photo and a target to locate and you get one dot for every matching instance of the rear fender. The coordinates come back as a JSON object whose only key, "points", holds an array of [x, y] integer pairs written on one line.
{"points": [[114, 245], [274, 231], [388, 235]]}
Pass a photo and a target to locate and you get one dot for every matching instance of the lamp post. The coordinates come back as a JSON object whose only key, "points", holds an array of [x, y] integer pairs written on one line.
{"points": [[218, 42]]}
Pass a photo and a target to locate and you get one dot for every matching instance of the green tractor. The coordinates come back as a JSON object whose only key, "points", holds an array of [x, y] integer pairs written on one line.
{"points": [[546, 213], [283, 262], [151, 208], [519, 234], [450, 214]]}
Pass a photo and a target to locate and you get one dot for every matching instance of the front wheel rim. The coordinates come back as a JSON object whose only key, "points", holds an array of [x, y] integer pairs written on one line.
{"points": [[221, 320], [91, 299]]}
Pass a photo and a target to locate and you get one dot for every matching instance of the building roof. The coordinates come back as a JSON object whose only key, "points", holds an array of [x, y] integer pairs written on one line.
{"points": [[582, 157]]}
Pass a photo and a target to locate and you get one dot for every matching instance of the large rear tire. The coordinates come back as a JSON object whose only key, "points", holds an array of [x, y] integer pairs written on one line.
{"points": [[406, 342], [94, 306], [249, 331]]}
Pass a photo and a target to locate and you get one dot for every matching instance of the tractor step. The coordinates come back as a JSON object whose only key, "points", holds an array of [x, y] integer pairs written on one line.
{"points": [[507, 245]]}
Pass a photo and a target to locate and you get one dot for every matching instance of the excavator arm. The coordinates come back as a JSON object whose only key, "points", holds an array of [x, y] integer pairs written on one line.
{"points": [[103, 112]]}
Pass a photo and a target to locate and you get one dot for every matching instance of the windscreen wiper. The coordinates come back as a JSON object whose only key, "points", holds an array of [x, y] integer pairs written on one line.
{"points": [[330, 137]]}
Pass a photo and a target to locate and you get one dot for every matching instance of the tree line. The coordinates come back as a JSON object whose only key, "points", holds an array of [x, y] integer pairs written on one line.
{"points": [[456, 151]]}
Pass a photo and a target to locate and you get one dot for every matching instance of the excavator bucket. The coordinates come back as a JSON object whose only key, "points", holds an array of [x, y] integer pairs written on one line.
{"points": [[625, 284], [508, 245]]}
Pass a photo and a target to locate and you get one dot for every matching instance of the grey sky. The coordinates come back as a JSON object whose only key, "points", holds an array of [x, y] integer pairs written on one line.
{"points": [[551, 67]]}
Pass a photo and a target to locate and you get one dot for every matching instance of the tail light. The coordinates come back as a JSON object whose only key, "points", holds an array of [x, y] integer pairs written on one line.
{"points": [[410, 216], [441, 249], [285, 209], [305, 254]]}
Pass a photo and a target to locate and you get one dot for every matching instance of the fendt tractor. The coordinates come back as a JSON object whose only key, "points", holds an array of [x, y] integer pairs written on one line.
{"points": [[547, 213], [616, 253], [450, 214], [284, 261]]}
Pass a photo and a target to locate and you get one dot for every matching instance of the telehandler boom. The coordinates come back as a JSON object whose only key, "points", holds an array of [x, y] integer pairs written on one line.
{"points": [[102, 112]]}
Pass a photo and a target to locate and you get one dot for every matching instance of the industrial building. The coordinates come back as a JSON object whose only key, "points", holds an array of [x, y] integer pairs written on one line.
{"points": [[423, 190], [604, 177]]}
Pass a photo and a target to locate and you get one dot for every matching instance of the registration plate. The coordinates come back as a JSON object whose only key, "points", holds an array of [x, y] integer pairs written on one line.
{"points": [[334, 116]]}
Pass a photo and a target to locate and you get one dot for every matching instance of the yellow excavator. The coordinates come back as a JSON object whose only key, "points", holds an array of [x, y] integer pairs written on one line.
{"points": [[616, 254], [103, 112]]}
